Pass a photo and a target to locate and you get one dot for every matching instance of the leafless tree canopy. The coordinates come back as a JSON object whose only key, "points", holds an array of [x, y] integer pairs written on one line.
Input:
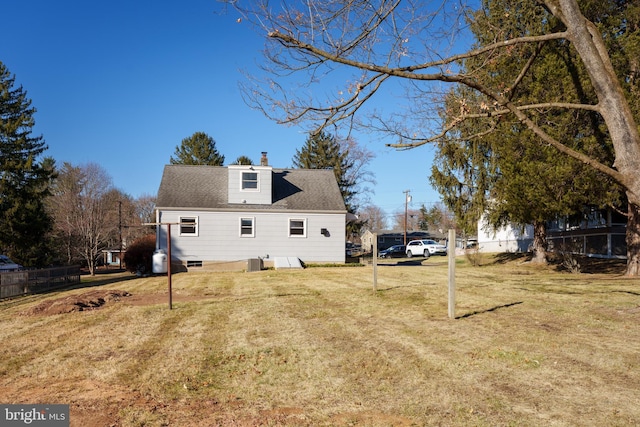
{"points": [[327, 59], [304, 81], [373, 217], [91, 215]]}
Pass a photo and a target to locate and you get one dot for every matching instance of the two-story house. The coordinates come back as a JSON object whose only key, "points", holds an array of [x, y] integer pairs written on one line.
{"points": [[241, 212]]}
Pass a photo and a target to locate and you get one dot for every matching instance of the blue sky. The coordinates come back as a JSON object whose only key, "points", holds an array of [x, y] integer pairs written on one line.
{"points": [[121, 83]]}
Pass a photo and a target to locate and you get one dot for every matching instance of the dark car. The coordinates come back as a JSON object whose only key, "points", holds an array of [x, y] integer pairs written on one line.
{"points": [[393, 252], [7, 265]]}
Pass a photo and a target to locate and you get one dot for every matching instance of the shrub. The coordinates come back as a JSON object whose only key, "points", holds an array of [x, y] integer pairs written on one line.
{"points": [[139, 256], [474, 256], [569, 252], [570, 262]]}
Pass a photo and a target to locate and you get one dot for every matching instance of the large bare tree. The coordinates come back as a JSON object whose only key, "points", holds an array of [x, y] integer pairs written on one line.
{"points": [[84, 205], [342, 54], [373, 218]]}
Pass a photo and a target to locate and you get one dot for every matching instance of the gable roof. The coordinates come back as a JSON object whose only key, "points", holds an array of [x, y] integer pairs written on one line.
{"points": [[206, 188]]}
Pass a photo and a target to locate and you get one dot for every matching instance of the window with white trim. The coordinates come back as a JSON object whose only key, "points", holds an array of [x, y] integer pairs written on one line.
{"points": [[297, 227], [247, 227], [189, 226], [249, 180]]}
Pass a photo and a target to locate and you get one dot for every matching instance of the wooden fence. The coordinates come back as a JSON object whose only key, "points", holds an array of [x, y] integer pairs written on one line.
{"points": [[15, 283]]}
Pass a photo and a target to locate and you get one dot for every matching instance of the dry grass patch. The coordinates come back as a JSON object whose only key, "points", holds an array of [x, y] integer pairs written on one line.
{"points": [[313, 347]]}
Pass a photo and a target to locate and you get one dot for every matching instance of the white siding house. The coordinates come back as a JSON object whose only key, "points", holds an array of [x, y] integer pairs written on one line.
{"points": [[243, 212], [509, 238], [592, 232]]}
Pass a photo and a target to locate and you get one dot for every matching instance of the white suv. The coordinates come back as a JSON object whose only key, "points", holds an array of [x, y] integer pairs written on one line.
{"points": [[425, 248]]}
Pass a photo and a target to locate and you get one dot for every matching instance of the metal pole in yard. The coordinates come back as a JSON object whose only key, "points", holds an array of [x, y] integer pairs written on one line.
{"points": [[451, 248], [169, 264], [120, 232], [374, 257], [168, 224]]}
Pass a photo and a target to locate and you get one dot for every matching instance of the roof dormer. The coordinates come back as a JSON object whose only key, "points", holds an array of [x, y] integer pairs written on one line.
{"points": [[250, 184]]}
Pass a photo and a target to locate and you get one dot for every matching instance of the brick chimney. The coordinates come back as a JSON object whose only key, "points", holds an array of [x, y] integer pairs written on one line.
{"points": [[263, 160]]}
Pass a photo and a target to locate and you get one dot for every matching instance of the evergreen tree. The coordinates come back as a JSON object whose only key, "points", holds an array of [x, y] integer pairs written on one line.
{"points": [[503, 173], [243, 160], [198, 149], [322, 151], [24, 179]]}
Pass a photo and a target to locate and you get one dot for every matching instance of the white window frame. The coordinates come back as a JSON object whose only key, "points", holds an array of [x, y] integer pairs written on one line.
{"points": [[195, 226], [253, 226], [243, 181], [304, 227]]}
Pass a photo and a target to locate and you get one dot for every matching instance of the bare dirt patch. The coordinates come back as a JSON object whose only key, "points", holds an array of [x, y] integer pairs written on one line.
{"points": [[72, 303], [97, 299]]}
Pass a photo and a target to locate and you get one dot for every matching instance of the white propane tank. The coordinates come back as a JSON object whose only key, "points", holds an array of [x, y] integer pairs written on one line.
{"points": [[159, 262]]}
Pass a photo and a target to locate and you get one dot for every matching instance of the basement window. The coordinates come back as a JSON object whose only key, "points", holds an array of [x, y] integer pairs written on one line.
{"points": [[194, 263]]}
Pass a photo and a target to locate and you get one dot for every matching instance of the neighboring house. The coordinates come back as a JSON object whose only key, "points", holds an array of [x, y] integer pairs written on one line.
{"points": [[594, 232], [112, 256], [509, 238], [599, 233], [242, 212]]}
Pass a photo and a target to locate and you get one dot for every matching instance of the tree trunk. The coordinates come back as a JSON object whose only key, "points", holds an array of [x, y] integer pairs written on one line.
{"points": [[539, 243], [633, 241], [615, 110]]}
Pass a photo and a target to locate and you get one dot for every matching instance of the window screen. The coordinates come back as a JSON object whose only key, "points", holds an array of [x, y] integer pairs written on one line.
{"points": [[297, 227], [189, 226], [249, 180], [246, 227]]}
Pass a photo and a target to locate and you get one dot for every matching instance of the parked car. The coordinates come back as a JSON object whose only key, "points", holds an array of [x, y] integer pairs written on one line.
{"points": [[393, 252], [349, 249], [425, 248], [7, 265]]}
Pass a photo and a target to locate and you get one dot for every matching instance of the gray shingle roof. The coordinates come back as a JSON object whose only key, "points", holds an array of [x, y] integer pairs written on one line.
{"points": [[206, 187]]}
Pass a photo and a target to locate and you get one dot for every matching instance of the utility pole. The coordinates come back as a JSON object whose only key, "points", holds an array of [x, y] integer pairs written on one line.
{"points": [[407, 199]]}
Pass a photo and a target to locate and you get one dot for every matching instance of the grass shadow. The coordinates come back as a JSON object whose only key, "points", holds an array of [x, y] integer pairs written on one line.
{"points": [[591, 265], [405, 263], [104, 279], [100, 279], [473, 313], [507, 257], [391, 288], [588, 265]]}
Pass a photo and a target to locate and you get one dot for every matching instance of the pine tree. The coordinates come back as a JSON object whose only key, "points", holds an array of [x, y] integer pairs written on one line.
{"points": [[322, 151], [24, 179], [243, 160], [198, 149], [504, 173]]}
